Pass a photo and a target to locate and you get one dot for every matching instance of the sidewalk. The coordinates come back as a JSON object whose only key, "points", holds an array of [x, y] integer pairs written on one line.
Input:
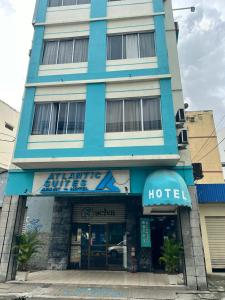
{"points": [[16, 290]]}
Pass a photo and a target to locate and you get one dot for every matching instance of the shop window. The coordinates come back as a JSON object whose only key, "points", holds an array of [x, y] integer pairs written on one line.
{"points": [[136, 114], [65, 51], [52, 3], [59, 118], [132, 45]]}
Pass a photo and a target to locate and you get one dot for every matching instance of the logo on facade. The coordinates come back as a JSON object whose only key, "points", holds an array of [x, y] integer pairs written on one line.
{"points": [[89, 213], [83, 182]]}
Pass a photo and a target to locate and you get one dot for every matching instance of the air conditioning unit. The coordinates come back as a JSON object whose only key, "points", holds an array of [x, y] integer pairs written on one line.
{"points": [[180, 118], [183, 138]]}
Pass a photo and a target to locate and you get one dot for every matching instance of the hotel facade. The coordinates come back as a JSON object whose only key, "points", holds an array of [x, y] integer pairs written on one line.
{"points": [[102, 144]]}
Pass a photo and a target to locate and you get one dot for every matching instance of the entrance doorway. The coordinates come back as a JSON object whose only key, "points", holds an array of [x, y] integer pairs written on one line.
{"points": [[161, 227], [98, 246]]}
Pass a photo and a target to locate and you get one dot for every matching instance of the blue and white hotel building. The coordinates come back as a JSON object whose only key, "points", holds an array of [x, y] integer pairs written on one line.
{"points": [[102, 133]]}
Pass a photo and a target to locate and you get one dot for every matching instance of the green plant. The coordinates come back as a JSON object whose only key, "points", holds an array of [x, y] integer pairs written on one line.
{"points": [[171, 254], [27, 245]]}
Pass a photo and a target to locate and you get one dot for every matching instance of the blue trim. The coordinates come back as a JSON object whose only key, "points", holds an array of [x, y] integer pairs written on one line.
{"points": [[36, 53], [169, 129], [26, 120], [97, 47], [158, 6], [41, 11], [98, 8], [211, 193], [160, 37], [95, 114], [21, 180]]}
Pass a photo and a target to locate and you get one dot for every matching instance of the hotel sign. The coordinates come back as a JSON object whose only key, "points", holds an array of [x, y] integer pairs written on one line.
{"points": [[101, 181]]}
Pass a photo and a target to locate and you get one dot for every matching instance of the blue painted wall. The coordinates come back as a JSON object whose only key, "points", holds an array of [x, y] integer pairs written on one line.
{"points": [[21, 182]]}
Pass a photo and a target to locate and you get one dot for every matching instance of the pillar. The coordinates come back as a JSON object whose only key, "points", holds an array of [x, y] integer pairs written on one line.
{"points": [[11, 222], [59, 249], [192, 242]]}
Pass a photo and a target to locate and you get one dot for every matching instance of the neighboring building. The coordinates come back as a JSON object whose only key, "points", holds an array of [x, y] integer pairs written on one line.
{"points": [[102, 161], [221, 140], [204, 145], [210, 189], [8, 129]]}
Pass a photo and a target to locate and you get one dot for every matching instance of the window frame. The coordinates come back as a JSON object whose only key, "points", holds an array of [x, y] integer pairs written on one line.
{"points": [[124, 34], [142, 114], [57, 120], [62, 3], [58, 45]]}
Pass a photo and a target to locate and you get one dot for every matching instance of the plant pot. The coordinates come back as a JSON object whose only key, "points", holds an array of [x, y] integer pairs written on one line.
{"points": [[22, 276]]}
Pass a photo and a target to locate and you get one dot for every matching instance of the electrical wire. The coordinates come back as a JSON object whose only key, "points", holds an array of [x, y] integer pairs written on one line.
{"points": [[206, 142], [7, 141], [211, 150]]}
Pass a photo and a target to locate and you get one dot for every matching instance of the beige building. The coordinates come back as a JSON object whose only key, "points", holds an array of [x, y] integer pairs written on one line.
{"points": [[211, 189], [8, 127]]}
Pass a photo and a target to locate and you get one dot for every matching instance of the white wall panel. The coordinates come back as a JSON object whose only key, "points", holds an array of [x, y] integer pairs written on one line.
{"points": [[58, 69], [66, 31], [68, 13], [124, 25], [62, 93], [129, 8], [132, 64], [132, 89]]}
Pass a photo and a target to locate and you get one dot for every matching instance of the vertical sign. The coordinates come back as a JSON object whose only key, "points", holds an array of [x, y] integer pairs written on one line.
{"points": [[145, 233]]}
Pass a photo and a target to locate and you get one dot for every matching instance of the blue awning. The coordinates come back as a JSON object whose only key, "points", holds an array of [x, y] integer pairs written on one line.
{"points": [[211, 193], [166, 187]]}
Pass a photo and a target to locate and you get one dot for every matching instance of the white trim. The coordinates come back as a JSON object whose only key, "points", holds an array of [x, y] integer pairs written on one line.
{"points": [[97, 161], [98, 19], [103, 80]]}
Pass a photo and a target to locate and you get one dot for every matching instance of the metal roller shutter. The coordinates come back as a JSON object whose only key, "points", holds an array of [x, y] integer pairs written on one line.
{"points": [[99, 213], [216, 238]]}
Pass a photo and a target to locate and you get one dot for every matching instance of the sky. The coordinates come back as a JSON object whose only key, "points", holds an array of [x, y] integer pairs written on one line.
{"points": [[201, 52]]}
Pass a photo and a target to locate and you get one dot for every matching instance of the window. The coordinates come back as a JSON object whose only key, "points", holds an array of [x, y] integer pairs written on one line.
{"points": [[65, 51], [59, 118], [132, 45], [8, 126], [137, 114], [53, 3]]}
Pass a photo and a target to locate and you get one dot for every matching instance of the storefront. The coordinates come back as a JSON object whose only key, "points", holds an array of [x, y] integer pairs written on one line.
{"points": [[103, 225]]}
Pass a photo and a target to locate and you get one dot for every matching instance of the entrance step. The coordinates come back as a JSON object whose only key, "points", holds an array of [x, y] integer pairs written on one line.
{"points": [[25, 291]]}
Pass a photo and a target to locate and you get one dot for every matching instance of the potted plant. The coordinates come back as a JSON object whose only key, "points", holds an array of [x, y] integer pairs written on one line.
{"points": [[27, 245], [171, 254]]}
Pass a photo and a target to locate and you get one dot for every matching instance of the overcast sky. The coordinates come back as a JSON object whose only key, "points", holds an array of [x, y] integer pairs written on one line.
{"points": [[201, 51]]}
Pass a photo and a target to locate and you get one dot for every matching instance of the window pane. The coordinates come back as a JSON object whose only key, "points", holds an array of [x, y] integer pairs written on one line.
{"points": [[114, 116], [50, 53], [54, 3], [76, 117], [69, 2], [41, 119], [147, 44], [62, 120], [115, 47], [83, 1], [131, 46], [54, 118], [65, 52], [80, 116], [132, 115], [152, 114], [80, 50]]}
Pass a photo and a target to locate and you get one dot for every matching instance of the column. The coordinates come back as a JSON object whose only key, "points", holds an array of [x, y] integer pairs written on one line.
{"points": [[192, 243], [11, 222], [59, 249]]}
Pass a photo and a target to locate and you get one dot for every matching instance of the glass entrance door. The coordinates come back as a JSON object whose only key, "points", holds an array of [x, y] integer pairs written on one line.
{"points": [[98, 247]]}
